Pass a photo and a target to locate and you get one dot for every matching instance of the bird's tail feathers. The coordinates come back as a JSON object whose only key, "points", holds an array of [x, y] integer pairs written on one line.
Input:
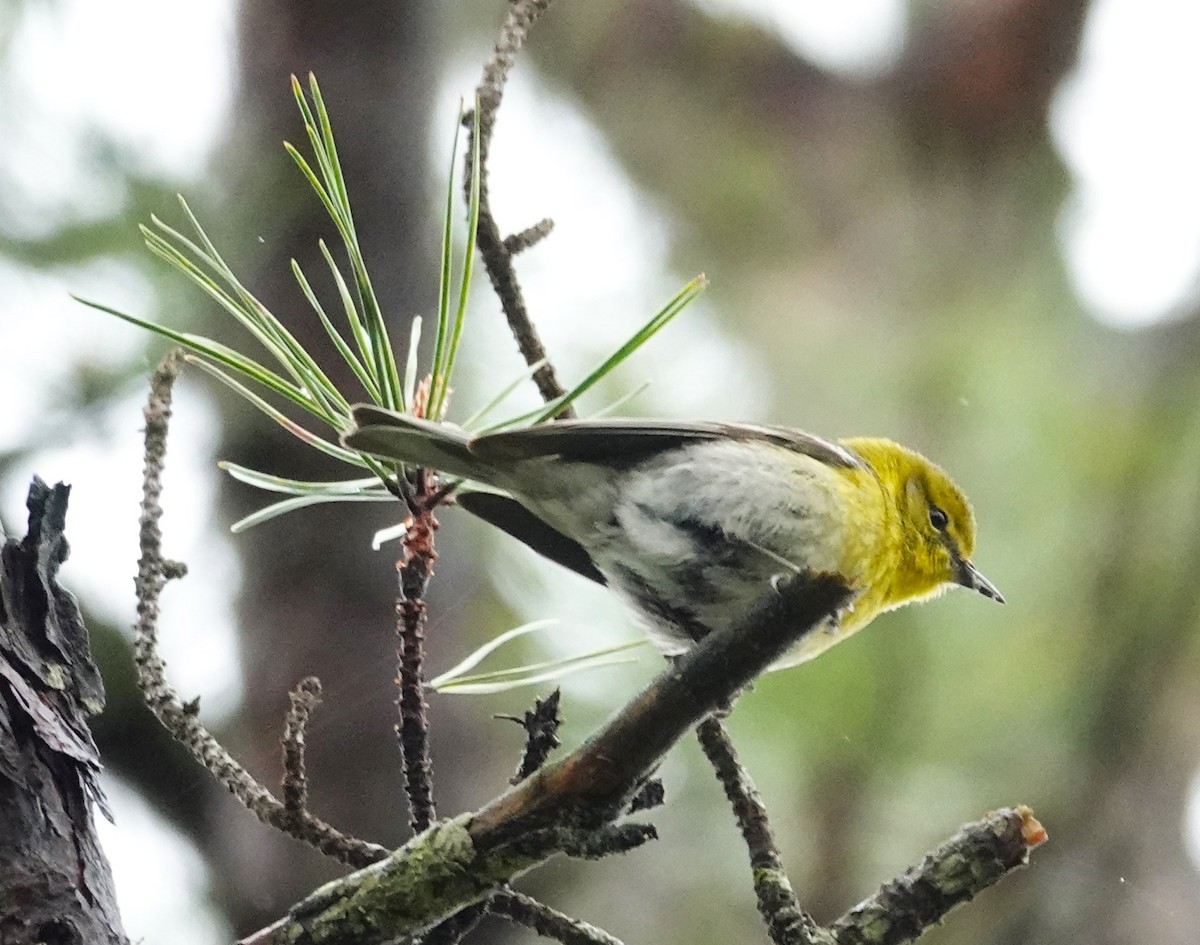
{"points": [[399, 436]]}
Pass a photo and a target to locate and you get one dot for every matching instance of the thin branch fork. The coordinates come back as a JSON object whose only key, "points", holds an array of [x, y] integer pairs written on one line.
{"points": [[497, 252], [181, 719]]}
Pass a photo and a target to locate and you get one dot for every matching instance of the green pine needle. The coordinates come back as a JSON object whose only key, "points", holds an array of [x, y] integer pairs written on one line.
{"points": [[363, 342]]}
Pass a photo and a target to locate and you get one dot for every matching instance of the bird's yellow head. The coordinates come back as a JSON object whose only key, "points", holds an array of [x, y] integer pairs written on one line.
{"points": [[931, 532]]}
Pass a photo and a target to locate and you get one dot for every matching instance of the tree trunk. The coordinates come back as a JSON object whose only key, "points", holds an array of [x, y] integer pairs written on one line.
{"points": [[55, 885]]}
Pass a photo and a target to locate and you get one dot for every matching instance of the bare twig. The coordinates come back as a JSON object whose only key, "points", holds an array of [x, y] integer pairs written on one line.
{"points": [[182, 720], [304, 698], [787, 923], [547, 922], [495, 251], [529, 237], [413, 729], [541, 724]]}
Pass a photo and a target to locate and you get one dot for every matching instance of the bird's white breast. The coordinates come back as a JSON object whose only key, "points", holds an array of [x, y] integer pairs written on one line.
{"points": [[692, 537]]}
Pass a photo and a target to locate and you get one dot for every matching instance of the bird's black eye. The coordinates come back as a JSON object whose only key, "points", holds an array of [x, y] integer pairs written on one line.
{"points": [[937, 518]]}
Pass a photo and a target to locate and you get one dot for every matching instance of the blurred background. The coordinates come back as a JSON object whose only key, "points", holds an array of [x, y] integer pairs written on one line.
{"points": [[971, 226]]}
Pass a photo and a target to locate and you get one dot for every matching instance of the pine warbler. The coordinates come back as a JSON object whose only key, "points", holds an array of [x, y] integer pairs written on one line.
{"points": [[691, 523]]}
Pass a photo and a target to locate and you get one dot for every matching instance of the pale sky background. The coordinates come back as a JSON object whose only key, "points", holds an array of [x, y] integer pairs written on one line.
{"points": [[1130, 232]]}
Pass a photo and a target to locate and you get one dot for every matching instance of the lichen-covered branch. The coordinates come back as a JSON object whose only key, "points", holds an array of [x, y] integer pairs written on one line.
{"points": [[976, 857]]}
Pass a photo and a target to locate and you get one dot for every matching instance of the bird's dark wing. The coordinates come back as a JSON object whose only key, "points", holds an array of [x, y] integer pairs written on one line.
{"points": [[616, 442], [511, 516]]}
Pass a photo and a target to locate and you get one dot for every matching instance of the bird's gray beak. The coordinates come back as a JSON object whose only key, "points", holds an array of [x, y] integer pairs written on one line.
{"points": [[970, 576]]}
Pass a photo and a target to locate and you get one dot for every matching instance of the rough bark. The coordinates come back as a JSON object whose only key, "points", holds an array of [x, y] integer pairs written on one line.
{"points": [[55, 885]]}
